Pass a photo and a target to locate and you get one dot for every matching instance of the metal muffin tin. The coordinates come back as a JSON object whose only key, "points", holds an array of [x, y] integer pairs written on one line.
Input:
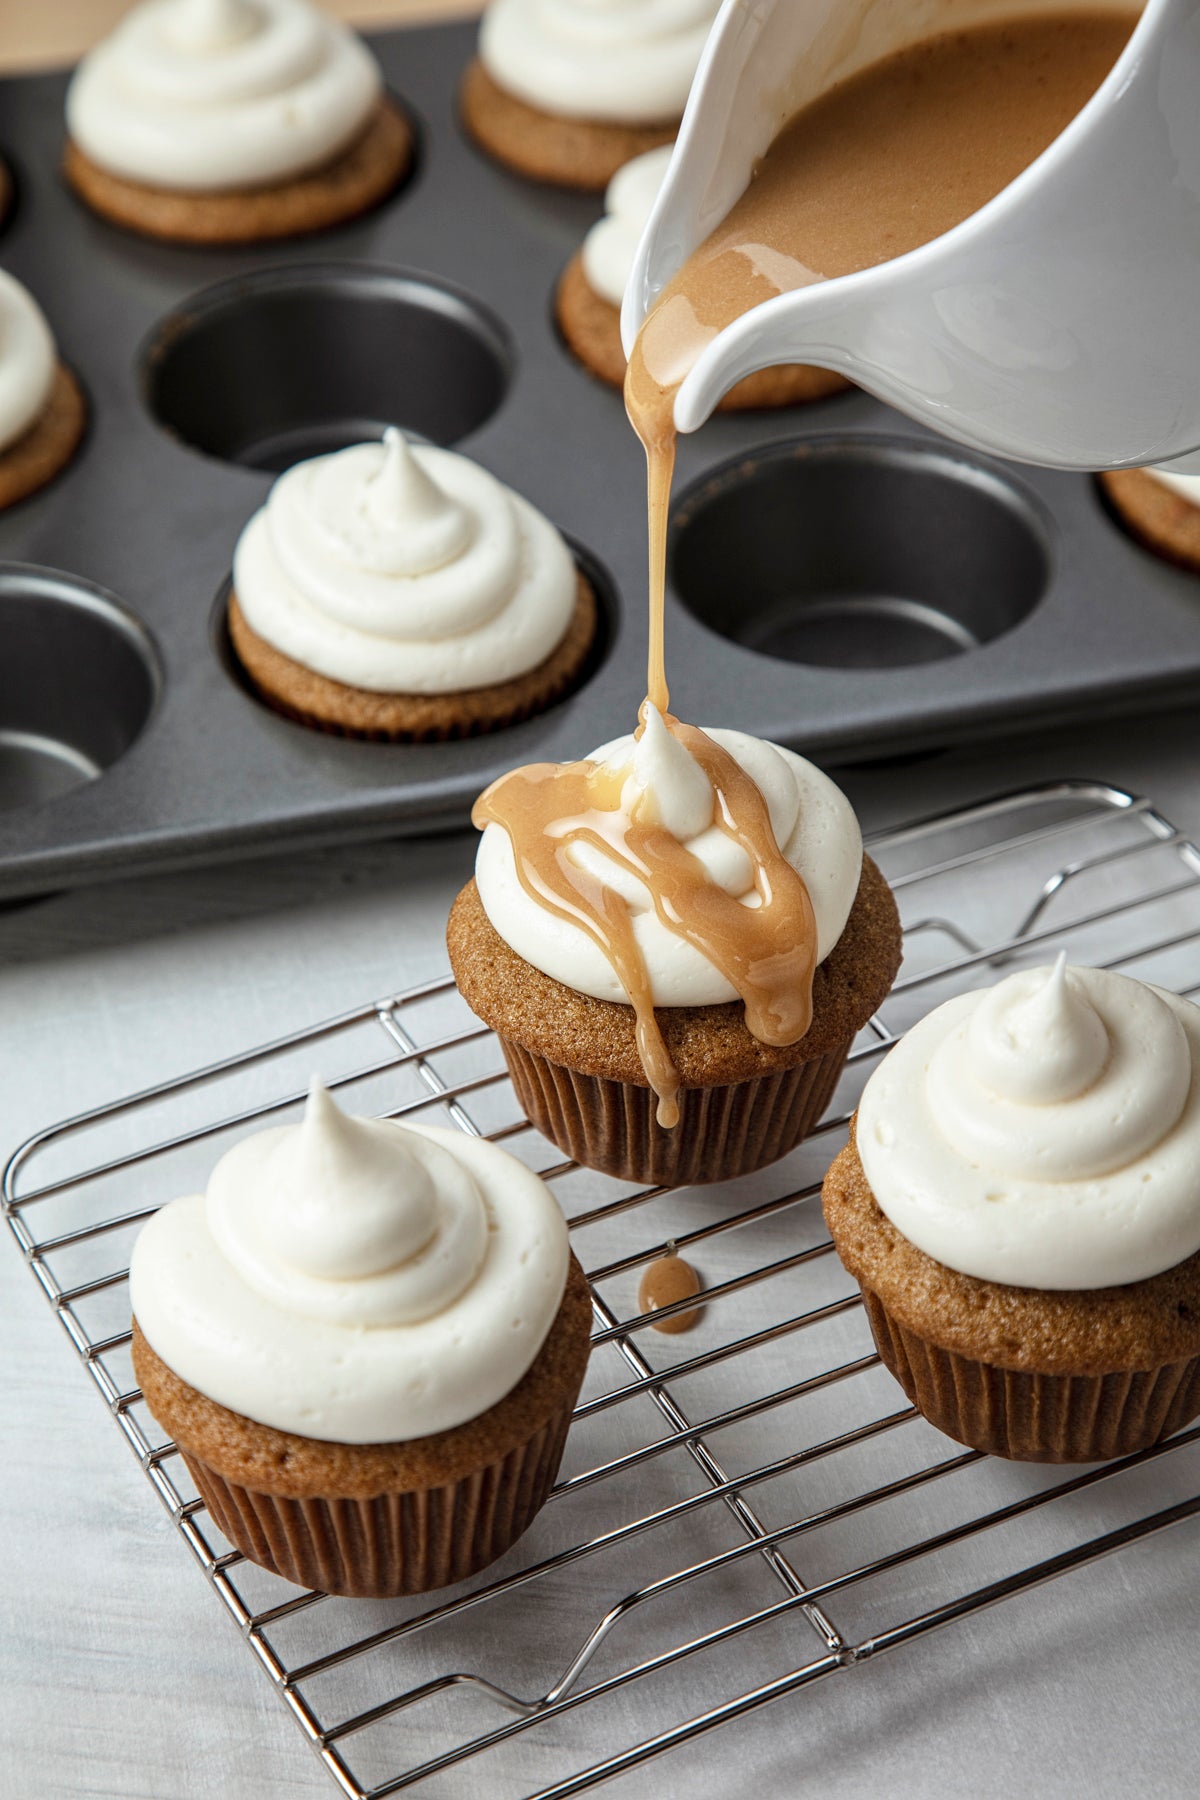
{"points": [[842, 581]]}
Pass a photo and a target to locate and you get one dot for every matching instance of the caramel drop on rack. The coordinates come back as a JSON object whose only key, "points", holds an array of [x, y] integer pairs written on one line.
{"points": [[663, 1282]]}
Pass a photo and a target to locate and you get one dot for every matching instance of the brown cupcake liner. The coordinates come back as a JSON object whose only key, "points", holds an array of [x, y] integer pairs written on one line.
{"points": [[1030, 1417], [395, 1543], [722, 1131]]}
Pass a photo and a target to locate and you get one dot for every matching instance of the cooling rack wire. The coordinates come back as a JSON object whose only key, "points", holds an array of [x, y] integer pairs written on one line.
{"points": [[743, 1510]]}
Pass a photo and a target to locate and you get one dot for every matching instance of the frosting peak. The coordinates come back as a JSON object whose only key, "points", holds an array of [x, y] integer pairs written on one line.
{"points": [[666, 784], [348, 1201], [356, 1221], [207, 25], [404, 568], [1043, 1133], [1037, 1038]]}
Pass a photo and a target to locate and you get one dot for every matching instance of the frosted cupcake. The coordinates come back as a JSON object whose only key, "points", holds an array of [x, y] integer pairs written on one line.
{"points": [[676, 942], [588, 300], [367, 1340], [568, 90], [1161, 509], [401, 592], [1020, 1204], [232, 121], [42, 410]]}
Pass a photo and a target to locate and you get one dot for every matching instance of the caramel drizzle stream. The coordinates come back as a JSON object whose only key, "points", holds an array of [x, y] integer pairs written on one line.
{"points": [[767, 952]]}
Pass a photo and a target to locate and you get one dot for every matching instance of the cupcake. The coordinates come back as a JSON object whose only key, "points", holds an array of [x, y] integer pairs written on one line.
{"points": [[1160, 508], [42, 410], [232, 121], [676, 942], [401, 592], [588, 301], [568, 90], [367, 1340], [1020, 1204]]}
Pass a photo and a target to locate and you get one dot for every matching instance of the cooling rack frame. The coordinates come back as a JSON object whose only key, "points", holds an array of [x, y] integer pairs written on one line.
{"points": [[1129, 869]]}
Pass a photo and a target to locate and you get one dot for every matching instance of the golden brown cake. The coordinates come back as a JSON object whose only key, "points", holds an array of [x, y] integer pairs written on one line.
{"points": [[1158, 516], [569, 152], [381, 1519], [48, 445], [311, 699]]}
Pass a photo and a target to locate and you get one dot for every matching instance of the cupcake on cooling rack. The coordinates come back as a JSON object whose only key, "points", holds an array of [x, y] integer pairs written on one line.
{"points": [[232, 121], [401, 592], [367, 1340], [1161, 509], [42, 410], [588, 301], [676, 942], [1020, 1204], [568, 90]]}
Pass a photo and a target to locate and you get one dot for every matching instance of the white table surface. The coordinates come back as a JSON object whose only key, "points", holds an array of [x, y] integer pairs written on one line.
{"points": [[119, 1674]]}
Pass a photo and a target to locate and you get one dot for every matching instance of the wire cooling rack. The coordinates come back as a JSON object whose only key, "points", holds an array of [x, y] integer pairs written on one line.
{"points": [[744, 1509]]}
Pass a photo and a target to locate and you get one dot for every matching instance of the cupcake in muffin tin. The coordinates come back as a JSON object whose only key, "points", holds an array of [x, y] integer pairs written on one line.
{"points": [[401, 592], [42, 409], [1161, 509], [1020, 1205], [566, 91], [232, 121], [367, 1340]]}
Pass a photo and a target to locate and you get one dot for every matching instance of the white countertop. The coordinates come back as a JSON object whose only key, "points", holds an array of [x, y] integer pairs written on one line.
{"points": [[121, 1676]]}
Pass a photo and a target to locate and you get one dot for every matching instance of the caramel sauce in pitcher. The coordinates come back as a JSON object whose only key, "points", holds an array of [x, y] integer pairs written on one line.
{"points": [[882, 163]]}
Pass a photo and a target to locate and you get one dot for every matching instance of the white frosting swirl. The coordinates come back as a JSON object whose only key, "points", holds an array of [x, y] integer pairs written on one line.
{"points": [[1186, 486], [609, 247], [354, 1280], [1044, 1133], [404, 569], [27, 361], [814, 827], [214, 95], [621, 62]]}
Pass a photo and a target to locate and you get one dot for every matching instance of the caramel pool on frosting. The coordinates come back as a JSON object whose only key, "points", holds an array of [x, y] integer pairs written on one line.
{"points": [[767, 952]]}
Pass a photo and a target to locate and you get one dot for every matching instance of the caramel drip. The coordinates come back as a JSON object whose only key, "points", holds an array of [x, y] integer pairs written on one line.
{"points": [[884, 162], [766, 952], [665, 1281]]}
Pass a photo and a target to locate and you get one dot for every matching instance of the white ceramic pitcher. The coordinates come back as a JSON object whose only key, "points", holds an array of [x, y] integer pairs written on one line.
{"points": [[1059, 324]]}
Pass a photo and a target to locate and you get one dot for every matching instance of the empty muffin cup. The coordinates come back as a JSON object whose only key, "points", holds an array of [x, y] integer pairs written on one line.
{"points": [[269, 370], [78, 681], [868, 552]]}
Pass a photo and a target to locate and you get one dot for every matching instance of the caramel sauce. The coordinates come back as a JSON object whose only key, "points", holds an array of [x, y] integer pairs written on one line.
{"points": [[887, 160], [663, 1282], [884, 162], [767, 952]]}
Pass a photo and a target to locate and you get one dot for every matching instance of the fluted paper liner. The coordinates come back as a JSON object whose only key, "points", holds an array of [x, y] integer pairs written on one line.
{"points": [[1031, 1417], [722, 1131], [394, 1543]]}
